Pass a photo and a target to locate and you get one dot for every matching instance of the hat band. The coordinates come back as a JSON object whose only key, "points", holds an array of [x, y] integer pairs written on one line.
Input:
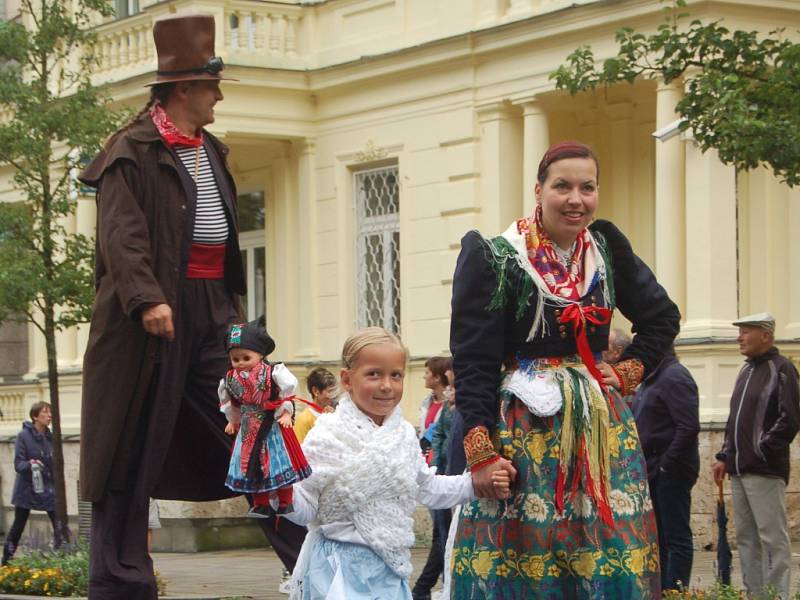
{"points": [[214, 66]]}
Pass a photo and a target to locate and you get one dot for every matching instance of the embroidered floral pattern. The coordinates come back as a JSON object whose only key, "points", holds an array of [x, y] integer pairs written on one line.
{"points": [[630, 373], [505, 548], [478, 448]]}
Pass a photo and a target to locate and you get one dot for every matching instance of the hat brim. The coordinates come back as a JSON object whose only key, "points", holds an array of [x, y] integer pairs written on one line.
{"points": [[187, 77]]}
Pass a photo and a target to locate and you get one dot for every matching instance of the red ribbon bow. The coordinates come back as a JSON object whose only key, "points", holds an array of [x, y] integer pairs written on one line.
{"points": [[578, 315]]}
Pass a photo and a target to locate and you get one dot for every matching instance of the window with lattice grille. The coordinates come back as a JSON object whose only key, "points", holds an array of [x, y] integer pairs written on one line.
{"points": [[378, 247]]}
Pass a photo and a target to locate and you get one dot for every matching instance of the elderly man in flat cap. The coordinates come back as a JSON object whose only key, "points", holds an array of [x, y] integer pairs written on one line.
{"points": [[168, 276], [763, 420]]}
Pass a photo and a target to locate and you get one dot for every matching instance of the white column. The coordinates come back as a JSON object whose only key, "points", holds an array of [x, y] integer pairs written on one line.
{"points": [[792, 329], [670, 229], [37, 351], [711, 288], [306, 278], [536, 141], [66, 339], [501, 166], [85, 218], [520, 8], [617, 176], [489, 11]]}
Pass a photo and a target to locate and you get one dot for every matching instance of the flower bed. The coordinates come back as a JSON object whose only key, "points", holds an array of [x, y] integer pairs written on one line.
{"points": [[57, 574]]}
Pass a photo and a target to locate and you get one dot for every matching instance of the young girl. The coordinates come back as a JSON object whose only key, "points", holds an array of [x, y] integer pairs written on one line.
{"points": [[368, 477], [257, 401]]}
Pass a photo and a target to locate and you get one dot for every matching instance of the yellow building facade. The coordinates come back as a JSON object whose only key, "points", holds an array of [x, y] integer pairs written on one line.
{"points": [[367, 136]]}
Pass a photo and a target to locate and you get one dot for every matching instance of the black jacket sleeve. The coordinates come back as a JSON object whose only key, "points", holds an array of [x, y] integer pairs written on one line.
{"points": [[782, 432], [476, 335], [683, 404], [655, 318]]}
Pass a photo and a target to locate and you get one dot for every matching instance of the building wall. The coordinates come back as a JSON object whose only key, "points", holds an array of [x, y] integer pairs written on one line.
{"points": [[457, 95]]}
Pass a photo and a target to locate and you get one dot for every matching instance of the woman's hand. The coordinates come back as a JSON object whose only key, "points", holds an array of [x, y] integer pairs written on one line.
{"points": [[609, 376], [231, 428], [483, 480], [285, 420]]}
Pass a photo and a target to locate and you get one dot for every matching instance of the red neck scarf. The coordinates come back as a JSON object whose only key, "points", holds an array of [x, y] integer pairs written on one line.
{"points": [[167, 130]]}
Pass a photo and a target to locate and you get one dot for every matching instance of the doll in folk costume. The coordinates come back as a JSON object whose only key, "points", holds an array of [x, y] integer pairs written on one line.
{"points": [[256, 397]]}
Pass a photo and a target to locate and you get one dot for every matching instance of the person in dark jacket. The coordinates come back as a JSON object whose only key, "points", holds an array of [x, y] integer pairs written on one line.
{"points": [[666, 409], [763, 421], [168, 276], [33, 451]]}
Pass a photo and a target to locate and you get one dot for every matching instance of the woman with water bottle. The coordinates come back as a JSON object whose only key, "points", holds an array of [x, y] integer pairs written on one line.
{"points": [[33, 488]]}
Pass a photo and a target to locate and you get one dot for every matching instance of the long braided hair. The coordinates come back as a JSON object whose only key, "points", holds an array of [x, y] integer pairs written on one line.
{"points": [[158, 93]]}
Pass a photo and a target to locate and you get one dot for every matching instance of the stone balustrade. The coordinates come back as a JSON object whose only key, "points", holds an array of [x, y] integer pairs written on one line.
{"points": [[15, 402], [249, 33]]}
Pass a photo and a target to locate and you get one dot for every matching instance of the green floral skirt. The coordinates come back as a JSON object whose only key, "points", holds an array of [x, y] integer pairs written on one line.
{"points": [[523, 548]]}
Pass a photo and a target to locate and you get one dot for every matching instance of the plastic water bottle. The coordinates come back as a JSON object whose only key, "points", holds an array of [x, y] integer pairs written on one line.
{"points": [[38, 478]]}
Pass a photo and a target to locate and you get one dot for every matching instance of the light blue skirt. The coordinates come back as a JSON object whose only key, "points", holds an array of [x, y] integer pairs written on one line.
{"points": [[339, 570]]}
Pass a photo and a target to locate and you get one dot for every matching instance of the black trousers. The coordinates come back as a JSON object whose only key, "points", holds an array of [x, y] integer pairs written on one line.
{"points": [[20, 520], [672, 505], [184, 388]]}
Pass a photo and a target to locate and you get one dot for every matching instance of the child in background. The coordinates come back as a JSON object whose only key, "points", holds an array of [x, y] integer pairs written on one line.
{"points": [[321, 384], [257, 400], [368, 476]]}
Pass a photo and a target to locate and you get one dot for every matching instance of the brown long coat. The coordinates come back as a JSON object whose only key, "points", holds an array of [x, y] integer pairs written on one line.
{"points": [[144, 211]]}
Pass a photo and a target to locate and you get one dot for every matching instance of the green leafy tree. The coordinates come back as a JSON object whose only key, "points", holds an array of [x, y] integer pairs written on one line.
{"points": [[741, 88], [50, 116]]}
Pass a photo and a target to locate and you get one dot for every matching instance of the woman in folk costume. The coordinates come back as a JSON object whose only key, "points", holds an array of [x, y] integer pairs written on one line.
{"points": [[531, 311], [257, 399]]}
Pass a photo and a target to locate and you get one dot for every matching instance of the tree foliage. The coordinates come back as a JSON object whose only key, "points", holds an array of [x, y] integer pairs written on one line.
{"points": [[741, 89], [50, 117]]}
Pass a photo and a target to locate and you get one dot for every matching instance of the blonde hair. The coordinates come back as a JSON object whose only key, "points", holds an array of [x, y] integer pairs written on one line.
{"points": [[369, 336]]}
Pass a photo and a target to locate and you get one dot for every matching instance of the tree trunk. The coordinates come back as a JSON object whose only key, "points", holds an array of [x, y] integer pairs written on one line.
{"points": [[62, 530]]}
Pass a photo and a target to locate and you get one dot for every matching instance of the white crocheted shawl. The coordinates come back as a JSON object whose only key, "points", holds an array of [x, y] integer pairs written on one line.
{"points": [[366, 474]]}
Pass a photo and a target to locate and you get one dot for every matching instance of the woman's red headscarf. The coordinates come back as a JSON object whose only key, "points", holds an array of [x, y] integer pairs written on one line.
{"points": [[562, 150]]}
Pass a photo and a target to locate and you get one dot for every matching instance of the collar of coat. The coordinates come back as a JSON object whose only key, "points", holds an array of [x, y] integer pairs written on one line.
{"points": [[125, 145], [757, 360]]}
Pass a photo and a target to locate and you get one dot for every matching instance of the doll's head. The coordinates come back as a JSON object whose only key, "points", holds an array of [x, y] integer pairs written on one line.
{"points": [[248, 344], [374, 368]]}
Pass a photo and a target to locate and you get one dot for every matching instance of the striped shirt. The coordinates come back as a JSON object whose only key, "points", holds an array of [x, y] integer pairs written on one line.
{"points": [[210, 223]]}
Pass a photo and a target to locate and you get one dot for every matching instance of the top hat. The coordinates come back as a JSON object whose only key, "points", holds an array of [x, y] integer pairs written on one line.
{"points": [[185, 48]]}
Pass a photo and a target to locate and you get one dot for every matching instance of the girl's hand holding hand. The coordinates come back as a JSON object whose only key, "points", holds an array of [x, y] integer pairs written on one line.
{"points": [[483, 479], [609, 376], [285, 420], [502, 483]]}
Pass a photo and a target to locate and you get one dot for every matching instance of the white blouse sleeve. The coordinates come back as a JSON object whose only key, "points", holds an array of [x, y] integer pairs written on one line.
{"points": [[442, 491], [304, 503], [287, 382]]}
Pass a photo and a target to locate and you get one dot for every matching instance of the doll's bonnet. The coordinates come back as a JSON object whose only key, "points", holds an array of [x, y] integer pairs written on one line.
{"points": [[251, 336]]}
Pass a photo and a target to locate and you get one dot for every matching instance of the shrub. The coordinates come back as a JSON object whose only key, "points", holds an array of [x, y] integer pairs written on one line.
{"points": [[59, 573]]}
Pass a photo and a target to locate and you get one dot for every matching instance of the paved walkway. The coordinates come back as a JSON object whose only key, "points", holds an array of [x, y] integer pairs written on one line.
{"points": [[256, 573]]}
